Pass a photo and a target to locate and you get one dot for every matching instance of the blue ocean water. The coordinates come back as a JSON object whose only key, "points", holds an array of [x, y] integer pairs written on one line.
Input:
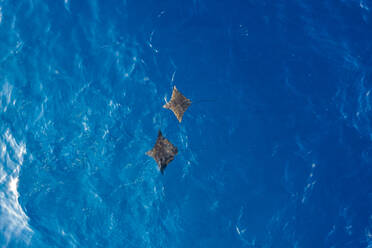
{"points": [[275, 151]]}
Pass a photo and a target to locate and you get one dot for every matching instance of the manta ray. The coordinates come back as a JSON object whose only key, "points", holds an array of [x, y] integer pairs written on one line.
{"points": [[178, 104], [163, 152]]}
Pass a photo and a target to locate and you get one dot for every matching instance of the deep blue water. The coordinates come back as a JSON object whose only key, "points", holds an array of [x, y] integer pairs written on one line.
{"points": [[275, 151]]}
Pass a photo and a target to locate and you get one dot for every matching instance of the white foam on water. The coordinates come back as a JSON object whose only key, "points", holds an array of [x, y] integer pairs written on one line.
{"points": [[311, 182], [6, 92], [363, 5], [67, 5], [13, 220]]}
